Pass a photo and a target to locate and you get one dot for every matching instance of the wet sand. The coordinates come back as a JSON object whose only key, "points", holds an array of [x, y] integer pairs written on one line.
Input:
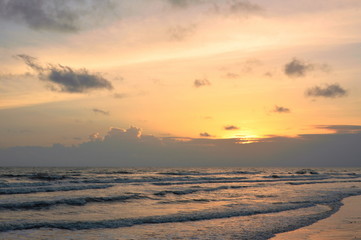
{"points": [[343, 225]]}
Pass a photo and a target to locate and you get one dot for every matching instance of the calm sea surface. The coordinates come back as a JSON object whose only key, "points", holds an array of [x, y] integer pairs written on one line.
{"points": [[165, 203]]}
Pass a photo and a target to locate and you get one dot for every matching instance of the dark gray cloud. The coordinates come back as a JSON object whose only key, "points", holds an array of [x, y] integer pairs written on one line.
{"points": [[54, 15], [180, 33], [103, 112], [279, 109], [40, 14], [342, 129], [297, 68], [65, 79], [130, 148], [205, 134], [201, 83], [328, 91], [231, 127], [31, 62]]}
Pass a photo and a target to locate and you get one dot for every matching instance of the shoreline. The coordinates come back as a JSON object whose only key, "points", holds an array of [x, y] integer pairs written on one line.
{"points": [[342, 225]]}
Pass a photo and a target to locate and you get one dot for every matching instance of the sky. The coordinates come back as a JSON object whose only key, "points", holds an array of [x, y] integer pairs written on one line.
{"points": [[180, 83]]}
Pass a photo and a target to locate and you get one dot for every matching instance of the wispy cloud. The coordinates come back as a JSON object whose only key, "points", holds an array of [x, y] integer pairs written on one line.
{"points": [[120, 95], [53, 15], [231, 127], [103, 112], [180, 33], [280, 109], [205, 134], [65, 79], [40, 14], [201, 83], [234, 7], [328, 91], [241, 7], [231, 75], [182, 3], [342, 129]]}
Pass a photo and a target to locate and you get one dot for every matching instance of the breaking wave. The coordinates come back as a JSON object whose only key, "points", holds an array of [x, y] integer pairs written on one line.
{"points": [[172, 218], [71, 201], [51, 189]]}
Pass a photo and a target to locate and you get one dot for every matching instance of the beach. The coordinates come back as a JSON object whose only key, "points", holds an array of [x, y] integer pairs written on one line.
{"points": [[344, 224]]}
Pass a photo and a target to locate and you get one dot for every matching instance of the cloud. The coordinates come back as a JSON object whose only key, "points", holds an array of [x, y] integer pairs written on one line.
{"points": [[279, 109], [53, 15], [242, 7], [131, 148], [231, 127], [205, 134], [183, 3], [297, 68], [40, 14], [328, 91], [75, 81], [238, 8], [65, 79], [120, 95], [95, 137], [96, 110], [201, 83], [31, 62], [342, 129], [231, 75], [119, 134], [268, 74], [234, 7], [180, 33]]}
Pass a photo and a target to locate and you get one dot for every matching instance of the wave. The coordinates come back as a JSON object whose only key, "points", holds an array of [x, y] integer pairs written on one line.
{"points": [[39, 176], [172, 218], [81, 201], [51, 189], [160, 181], [114, 172], [194, 190], [199, 200], [196, 173], [24, 184], [267, 179], [317, 182]]}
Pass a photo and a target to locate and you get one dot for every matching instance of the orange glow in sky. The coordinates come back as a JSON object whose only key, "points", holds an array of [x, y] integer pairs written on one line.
{"points": [[268, 68]]}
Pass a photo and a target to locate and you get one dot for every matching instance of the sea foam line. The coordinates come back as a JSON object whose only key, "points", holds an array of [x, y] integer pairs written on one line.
{"points": [[51, 189], [81, 201], [173, 218]]}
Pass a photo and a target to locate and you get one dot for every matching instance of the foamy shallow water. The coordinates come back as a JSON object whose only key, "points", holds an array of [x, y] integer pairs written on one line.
{"points": [[210, 203]]}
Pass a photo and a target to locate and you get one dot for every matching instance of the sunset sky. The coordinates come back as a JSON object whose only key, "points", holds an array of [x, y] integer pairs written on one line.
{"points": [[80, 72]]}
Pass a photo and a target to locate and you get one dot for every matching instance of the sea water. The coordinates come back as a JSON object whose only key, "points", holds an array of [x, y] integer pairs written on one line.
{"points": [[165, 203]]}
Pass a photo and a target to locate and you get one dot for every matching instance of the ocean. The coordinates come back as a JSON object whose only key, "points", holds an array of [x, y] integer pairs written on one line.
{"points": [[168, 203]]}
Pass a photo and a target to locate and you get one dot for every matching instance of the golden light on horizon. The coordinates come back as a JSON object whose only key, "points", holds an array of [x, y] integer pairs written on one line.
{"points": [[167, 75]]}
